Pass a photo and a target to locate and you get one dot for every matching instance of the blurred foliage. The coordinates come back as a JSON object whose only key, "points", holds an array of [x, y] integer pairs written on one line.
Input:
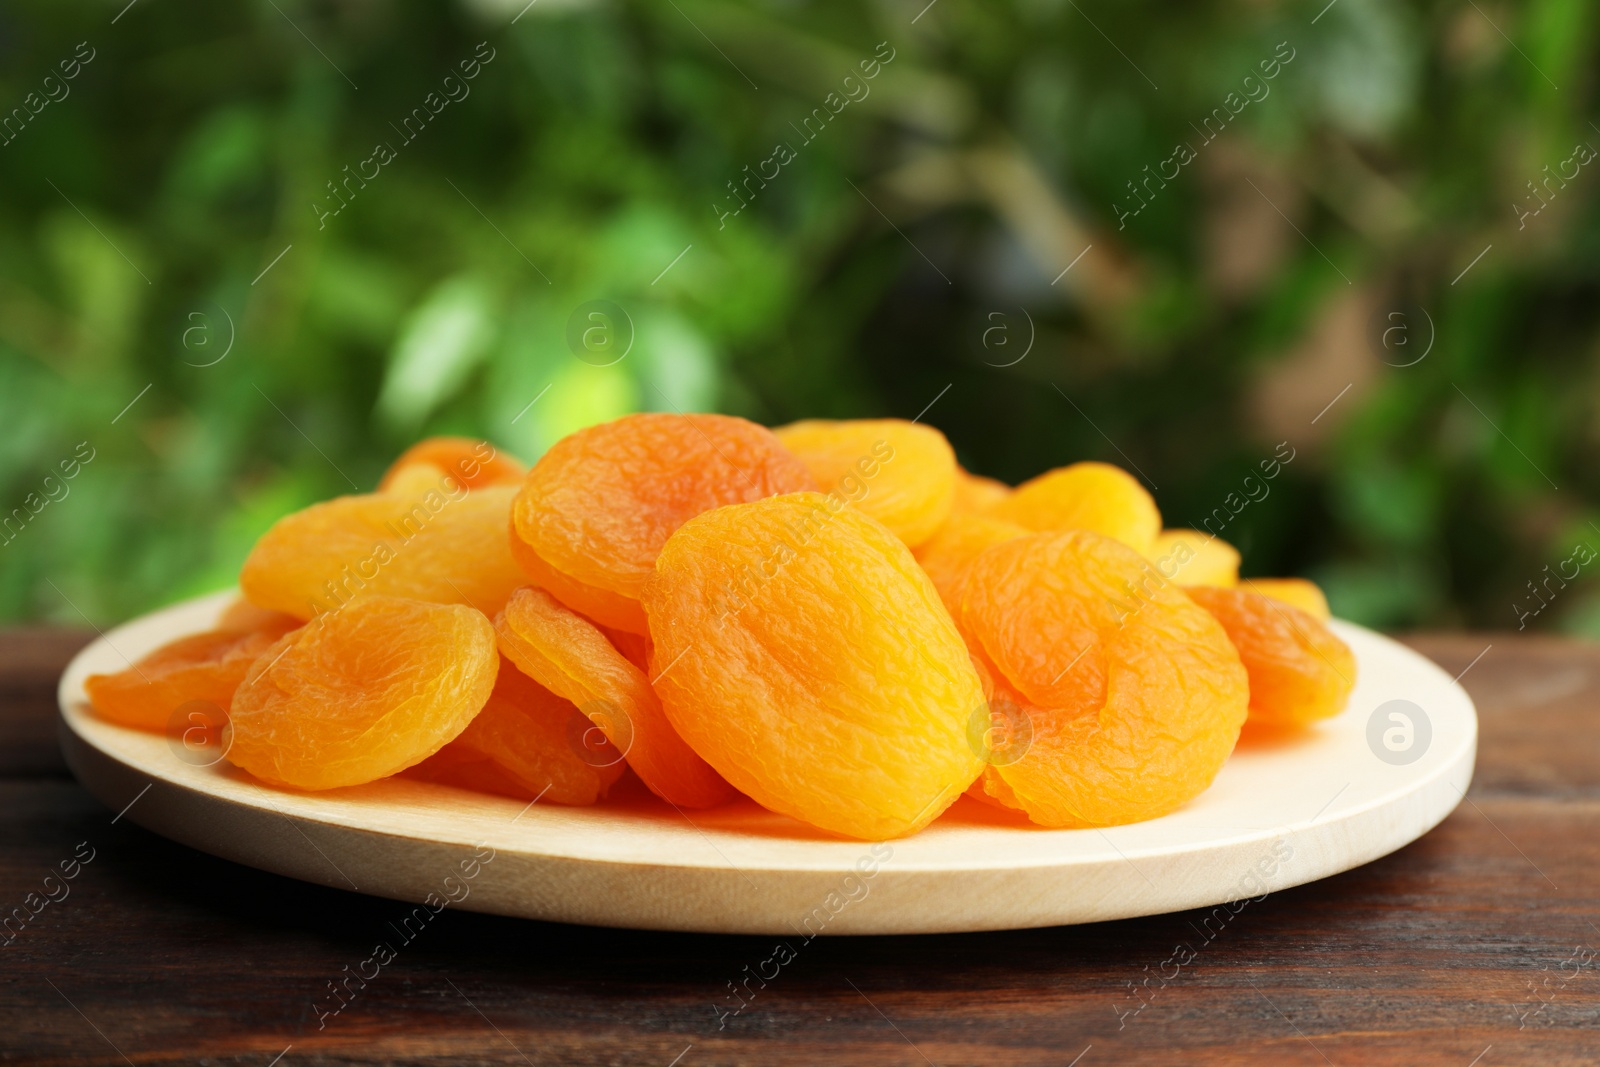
{"points": [[169, 207]]}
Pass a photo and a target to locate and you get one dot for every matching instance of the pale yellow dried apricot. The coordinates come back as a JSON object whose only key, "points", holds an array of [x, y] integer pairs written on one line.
{"points": [[1086, 496], [446, 545], [475, 463], [976, 494], [901, 473], [1298, 592], [1190, 557]]}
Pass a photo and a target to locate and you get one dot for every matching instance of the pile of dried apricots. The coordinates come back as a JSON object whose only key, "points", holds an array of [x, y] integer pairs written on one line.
{"points": [[832, 618]]}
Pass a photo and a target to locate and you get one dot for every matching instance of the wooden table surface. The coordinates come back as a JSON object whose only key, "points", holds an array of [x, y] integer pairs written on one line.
{"points": [[1474, 947]]}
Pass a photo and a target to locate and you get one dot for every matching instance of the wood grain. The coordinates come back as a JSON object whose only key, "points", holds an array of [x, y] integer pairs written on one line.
{"points": [[1423, 957]]}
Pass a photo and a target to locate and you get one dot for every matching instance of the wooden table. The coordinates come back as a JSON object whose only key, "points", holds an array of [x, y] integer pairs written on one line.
{"points": [[1474, 946]]}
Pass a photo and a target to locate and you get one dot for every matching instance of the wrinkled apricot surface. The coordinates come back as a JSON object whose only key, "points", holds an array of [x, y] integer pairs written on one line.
{"points": [[901, 473], [945, 556], [1086, 496], [207, 666], [1299, 592], [362, 693], [566, 654], [1190, 557], [538, 741], [1299, 669], [807, 657], [599, 505], [1133, 693], [475, 463], [834, 617], [445, 546]]}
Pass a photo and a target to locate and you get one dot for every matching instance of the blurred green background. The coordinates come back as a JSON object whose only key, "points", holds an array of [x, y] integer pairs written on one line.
{"points": [[168, 241]]}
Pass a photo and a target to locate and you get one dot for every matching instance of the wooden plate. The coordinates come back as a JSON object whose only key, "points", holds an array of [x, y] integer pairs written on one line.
{"points": [[1281, 813]]}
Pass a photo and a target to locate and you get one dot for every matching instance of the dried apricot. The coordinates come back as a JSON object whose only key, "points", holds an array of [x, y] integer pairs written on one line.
{"points": [[447, 545], [599, 505], [1133, 694], [465, 770], [362, 693], [1190, 557], [809, 660], [603, 606], [540, 742], [993, 734], [1299, 592], [635, 648], [1299, 670], [976, 494], [566, 654], [242, 615], [475, 463], [901, 473], [945, 556], [415, 479], [206, 666], [1086, 496]]}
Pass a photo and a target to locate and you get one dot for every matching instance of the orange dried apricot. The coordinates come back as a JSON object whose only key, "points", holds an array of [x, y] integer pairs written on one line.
{"points": [[945, 556], [599, 505], [1299, 592], [205, 666], [362, 693], [445, 545], [242, 615], [993, 733], [475, 463], [635, 648], [464, 770], [976, 494], [1299, 669], [536, 740], [1190, 557], [1086, 496], [1133, 694], [415, 479], [603, 606], [809, 660], [566, 654], [901, 473]]}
